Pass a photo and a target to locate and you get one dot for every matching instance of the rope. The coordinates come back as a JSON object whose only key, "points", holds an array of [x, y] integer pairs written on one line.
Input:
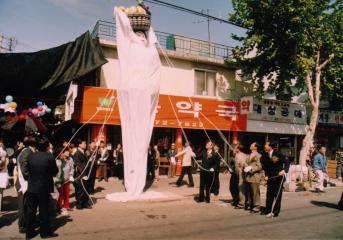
{"points": [[218, 130], [78, 130], [92, 157], [277, 196], [108, 115], [182, 129]]}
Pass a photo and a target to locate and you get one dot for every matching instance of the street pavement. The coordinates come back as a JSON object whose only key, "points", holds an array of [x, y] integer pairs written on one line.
{"points": [[304, 215]]}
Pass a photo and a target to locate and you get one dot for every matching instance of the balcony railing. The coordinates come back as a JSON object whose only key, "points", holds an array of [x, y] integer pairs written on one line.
{"points": [[106, 30]]}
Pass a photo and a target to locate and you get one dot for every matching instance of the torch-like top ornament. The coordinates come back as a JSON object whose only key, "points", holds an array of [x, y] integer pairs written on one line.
{"points": [[140, 17]]}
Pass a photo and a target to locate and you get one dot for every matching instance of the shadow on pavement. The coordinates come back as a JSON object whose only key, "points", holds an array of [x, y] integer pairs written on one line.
{"points": [[226, 200], [9, 203], [98, 189], [324, 204], [7, 219], [60, 222]]}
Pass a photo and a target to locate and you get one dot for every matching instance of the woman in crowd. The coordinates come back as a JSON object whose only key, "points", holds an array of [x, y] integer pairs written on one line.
{"points": [[3, 167], [63, 178]]}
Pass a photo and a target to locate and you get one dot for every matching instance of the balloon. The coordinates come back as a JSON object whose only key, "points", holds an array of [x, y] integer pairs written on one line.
{"points": [[21, 117], [30, 114], [39, 104], [40, 108], [48, 110], [13, 105], [34, 111], [9, 98]]}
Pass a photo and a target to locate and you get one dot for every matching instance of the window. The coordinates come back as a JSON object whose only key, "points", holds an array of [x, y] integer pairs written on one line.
{"points": [[205, 83]]}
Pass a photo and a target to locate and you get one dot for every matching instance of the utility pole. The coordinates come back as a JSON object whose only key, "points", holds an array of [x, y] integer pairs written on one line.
{"points": [[208, 25], [208, 31], [7, 44], [208, 20], [11, 44], [1, 40]]}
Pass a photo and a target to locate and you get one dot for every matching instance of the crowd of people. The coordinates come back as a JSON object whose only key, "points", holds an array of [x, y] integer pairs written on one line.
{"points": [[43, 176], [248, 171]]}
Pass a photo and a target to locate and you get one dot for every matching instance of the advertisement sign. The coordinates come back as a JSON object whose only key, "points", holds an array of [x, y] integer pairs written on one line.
{"points": [[278, 111], [330, 118], [100, 106], [247, 105]]}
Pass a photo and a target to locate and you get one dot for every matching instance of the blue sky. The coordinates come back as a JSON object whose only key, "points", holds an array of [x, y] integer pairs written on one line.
{"points": [[41, 24]]}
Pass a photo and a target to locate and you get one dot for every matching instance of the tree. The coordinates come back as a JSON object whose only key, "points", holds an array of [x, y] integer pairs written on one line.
{"points": [[297, 47]]}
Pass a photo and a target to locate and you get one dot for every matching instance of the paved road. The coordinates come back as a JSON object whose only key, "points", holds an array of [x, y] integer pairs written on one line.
{"points": [[305, 215]]}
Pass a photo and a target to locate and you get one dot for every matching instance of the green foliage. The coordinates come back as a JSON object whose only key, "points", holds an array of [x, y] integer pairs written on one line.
{"points": [[287, 35]]}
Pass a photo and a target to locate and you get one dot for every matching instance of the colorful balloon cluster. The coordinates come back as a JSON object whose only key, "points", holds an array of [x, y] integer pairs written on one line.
{"points": [[40, 110], [9, 106], [11, 114]]}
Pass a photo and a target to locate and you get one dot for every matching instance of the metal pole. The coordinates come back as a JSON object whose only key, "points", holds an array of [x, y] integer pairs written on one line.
{"points": [[296, 148], [208, 31], [10, 45], [1, 39]]}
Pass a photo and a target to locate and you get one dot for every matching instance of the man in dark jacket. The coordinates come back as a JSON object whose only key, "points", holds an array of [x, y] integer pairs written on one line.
{"points": [[216, 183], [273, 164], [80, 175], [41, 168], [19, 183], [208, 164]]}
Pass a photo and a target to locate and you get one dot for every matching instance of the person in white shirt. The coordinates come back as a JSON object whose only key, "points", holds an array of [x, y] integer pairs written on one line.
{"points": [[187, 154]]}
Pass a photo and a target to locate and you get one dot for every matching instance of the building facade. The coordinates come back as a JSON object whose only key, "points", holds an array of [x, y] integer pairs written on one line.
{"points": [[200, 92]]}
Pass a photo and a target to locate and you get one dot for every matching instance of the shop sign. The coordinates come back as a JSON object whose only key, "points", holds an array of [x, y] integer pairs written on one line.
{"points": [[247, 105], [100, 105], [278, 111], [330, 118]]}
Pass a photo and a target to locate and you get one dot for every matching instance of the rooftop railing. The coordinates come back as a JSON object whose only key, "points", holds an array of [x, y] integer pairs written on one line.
{"points": [[106, 30]]}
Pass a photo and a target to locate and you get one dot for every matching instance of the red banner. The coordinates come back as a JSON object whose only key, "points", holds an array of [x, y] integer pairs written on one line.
{"points": [[100, 106]]}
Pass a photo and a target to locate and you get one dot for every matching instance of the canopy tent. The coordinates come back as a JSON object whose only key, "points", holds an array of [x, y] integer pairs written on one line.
{"points": [[46, 72]]}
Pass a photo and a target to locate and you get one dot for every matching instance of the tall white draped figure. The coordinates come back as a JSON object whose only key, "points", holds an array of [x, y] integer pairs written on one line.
{"points": [[138, 91]]}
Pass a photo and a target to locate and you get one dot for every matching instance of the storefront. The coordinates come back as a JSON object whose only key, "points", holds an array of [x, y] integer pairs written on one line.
{"points": [[281, 122], [330, 131], [199, 117]]}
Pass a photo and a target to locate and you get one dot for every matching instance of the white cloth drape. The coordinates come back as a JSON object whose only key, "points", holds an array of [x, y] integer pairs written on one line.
{"points": [[138, 91]]}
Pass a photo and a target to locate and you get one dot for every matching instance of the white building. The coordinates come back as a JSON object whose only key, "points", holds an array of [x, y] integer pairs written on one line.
{"points": [[203, 70]]}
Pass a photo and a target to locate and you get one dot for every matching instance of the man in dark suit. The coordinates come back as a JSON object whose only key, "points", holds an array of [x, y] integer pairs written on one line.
{"points": [[273, 164], [20, 183], [208, 164], [91, 155], [81, 175], [41, 168]]}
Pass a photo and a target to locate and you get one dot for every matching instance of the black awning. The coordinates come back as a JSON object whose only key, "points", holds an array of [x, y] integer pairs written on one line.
{"points": [[38, 73]]}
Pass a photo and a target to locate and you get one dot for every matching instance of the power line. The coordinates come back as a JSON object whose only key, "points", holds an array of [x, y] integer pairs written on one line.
{"points": [[187, 10]]}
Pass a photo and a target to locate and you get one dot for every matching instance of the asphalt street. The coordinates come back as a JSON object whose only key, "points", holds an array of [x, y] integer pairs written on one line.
{"points": [[304, 215]]}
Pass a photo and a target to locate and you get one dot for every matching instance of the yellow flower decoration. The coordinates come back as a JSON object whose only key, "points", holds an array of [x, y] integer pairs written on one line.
{"points": [[275, 159]]}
